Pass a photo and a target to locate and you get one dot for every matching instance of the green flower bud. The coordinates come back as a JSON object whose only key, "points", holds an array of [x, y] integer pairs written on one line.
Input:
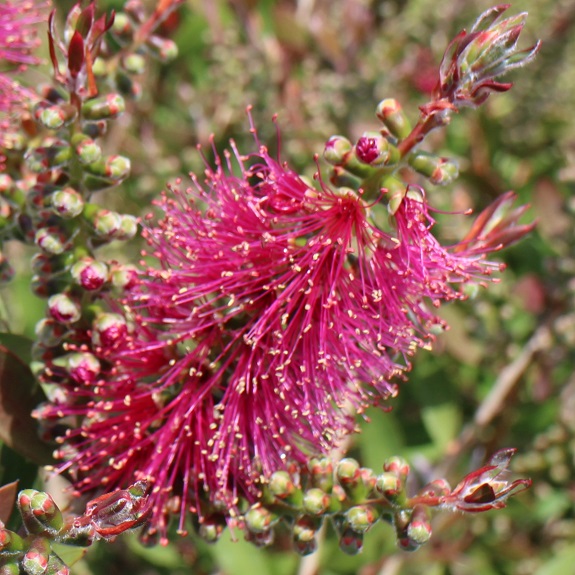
{"points": [[66, 203], [419, 528], [50, 240], [260, 520], [40, 513], [86, 149], [321, 472], [390, 113], [163, 49], [56, 566], [56, 116], [10, 567], [439, 171], [104, 107], [336, 149], [304, 534], [315, 501], [362, 517], [348, 473], [35, 560], [112, 168], [398, 466], [52, 155], [134, 63], [11, 544], [350, 541]]}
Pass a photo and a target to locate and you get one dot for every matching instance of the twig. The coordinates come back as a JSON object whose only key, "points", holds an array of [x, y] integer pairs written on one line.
{"points": [[495, 402]]}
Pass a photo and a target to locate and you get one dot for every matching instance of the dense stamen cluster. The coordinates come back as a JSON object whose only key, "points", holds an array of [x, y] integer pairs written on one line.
{"points": [[277, 310]]}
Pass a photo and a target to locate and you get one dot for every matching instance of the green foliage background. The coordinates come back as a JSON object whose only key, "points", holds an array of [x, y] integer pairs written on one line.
{"points": [[323, 66]]}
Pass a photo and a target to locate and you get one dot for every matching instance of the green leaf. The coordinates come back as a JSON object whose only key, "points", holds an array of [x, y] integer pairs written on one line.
{"points": [[7, 500], [19, 395]]}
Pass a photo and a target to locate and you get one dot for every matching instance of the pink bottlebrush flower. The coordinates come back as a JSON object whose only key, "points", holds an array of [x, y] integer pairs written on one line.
{"points": [[18, 39], [274, 309]]}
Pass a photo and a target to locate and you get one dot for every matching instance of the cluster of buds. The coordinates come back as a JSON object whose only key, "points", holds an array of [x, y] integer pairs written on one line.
{"points": [[354, 498], [104, 518], [57, 163]]}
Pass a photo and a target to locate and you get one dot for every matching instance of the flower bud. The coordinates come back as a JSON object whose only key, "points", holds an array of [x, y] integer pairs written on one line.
{"points": [[48, 157], [56, 116], [10, 567], [35, 560], [86, 149], [128, 227], [304, 533], [67, 203], [64, 309], [40, 514], [336, 148], [282, 485], [11, 544], [124, 277], [134, 64], [373, 149], [163, 49], [439, 171], [361, 517], [321, 471], [348, 473], [419, 528], [389, 485], [108, 329], [89, 273], [315, 501], [50, 240], [56, 566], [122, 25], [398, 466], [104, 107], [350, 541], [390, 113], [106, 223], [211, 528], [114, 168], [83, 367], [258, 519]]}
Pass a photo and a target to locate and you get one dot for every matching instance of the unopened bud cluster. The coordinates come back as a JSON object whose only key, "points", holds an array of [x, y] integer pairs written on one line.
{"points": [[46, 192], [372, 163], [44, 523]]}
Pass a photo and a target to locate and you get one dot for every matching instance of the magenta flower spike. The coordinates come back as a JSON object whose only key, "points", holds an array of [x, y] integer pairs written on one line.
{"points": [[270, 312]]}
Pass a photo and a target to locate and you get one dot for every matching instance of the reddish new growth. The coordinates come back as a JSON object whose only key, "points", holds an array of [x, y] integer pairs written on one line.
{"points": [[273, 310], [18, 39]]}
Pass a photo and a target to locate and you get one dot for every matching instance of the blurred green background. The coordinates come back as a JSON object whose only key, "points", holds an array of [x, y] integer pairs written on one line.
{"points": [[323, 66]]}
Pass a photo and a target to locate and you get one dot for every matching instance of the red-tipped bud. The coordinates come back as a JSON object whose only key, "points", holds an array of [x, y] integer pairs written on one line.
{"points": [[361, 517], [109, 329], [390, 113], [50, 240], [259, 519], [64, 309], [66, 203], [89, 273], [104, 107]]}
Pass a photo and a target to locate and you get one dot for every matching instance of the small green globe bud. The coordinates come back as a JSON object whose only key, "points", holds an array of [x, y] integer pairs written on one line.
{"points": [[35, 560], [281, 484], [260, 520], [362, 517], [350, 541], [398, 466], [390, 113], [304, 534], [112, 168], [86, 149], [315, 501], [163, 49], [336, 149], [128, 227], [56, 116], [134, 63], [11, 566], [321, 472], [389, 485], [50, 240], [104, 107], [66, 203], [40, 514]]}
